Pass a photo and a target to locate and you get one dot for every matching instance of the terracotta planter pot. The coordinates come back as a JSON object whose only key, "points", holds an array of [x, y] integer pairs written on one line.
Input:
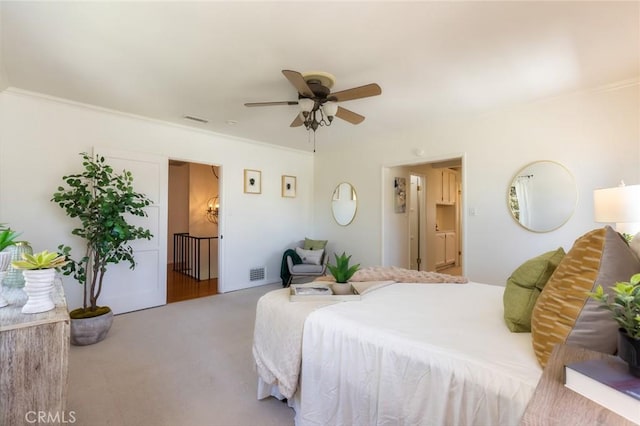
{"points": [[87, 331], [629, 351]]}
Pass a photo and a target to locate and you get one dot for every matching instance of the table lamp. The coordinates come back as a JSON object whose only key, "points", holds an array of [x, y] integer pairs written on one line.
{"points": [[619, 205]]}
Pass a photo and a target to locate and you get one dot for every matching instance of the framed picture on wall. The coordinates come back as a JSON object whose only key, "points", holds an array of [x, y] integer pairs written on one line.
{"points": [[252, 181], [288, 186], [400, 195]]}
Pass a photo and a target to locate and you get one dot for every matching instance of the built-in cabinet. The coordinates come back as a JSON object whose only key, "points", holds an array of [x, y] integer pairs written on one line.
{"points": [[446, 249], [447, 186]]}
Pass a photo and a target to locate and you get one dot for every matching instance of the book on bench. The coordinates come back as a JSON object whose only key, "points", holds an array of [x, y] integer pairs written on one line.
{"points": [[608, 383]]}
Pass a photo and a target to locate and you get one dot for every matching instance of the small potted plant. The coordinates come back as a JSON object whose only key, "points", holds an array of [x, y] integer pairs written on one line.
{"points": [[625, 308], [39, 271], [342, 272], [7, 239]]}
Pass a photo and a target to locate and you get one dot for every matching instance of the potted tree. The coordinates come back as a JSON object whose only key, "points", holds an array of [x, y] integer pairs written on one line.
{"points": [[101, 199], [625, 308], [39, 271], [342, 272]]}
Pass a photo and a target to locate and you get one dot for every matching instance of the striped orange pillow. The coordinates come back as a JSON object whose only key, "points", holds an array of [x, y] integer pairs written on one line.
{"points": [[564, 313]]}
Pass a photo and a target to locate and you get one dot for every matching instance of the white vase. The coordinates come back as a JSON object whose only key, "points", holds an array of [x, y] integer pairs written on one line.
{"points": [[342, 289], [38, 284], [5, 259], [3, 301]]}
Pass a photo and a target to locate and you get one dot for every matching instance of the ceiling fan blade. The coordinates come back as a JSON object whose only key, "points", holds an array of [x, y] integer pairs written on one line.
{"points": [[298, 82], [356, 93], [349, 116], [254, 104], [297, 122]]}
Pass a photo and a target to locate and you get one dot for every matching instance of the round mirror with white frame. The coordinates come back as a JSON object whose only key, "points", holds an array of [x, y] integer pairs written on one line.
{"points": [[344, 203], [542, 196]]}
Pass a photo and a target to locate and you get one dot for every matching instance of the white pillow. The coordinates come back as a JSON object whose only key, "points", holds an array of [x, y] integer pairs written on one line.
{"points": [[310, 257]]}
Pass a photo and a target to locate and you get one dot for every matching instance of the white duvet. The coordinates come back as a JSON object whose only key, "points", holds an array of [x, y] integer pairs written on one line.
{"points": [[415, 354]]}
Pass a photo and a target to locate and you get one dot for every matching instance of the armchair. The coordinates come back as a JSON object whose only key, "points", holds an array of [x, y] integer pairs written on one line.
{"points": [[297, 267]]}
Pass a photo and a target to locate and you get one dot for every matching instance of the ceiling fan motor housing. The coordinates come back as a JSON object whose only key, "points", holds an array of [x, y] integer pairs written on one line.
{"points": [[321, 92]]}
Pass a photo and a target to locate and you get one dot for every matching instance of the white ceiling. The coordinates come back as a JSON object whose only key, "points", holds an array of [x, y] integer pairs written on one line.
{"points": [[432, 59]]}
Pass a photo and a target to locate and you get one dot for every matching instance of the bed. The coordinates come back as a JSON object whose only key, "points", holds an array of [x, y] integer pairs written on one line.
{"points": [[435, 352], [405, 353]]}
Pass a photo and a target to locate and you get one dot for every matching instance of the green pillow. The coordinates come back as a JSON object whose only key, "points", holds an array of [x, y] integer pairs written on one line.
{"points": [[314, 244], [524, 286]]}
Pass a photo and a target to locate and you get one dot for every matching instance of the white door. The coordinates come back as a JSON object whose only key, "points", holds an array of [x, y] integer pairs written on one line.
{"points": [[126, 290], [416, 222]]}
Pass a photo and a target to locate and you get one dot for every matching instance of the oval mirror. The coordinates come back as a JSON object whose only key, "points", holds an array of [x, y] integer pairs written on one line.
{"points": [[344, 203], [542, 196]]}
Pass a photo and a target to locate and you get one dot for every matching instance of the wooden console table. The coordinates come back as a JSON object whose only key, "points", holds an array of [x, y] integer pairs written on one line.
{"points": [[34, 351], [554, 404]]}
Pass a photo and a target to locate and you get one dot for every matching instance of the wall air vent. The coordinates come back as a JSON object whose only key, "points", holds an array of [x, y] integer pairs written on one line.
{"points": [[257, 274], [193, 118]]}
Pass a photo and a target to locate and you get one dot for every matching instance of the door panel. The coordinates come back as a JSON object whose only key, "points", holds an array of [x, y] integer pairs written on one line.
{"points": [[128, 290]]}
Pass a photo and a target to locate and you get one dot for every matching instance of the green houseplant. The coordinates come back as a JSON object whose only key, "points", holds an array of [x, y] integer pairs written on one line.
{"points": [[43, 260], [7, 238], [625, 308], [342, 272], [101, 200], [39, 270]]}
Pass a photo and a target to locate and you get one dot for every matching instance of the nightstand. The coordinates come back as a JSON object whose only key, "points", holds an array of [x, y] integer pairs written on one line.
{"points": [[553, 404]]}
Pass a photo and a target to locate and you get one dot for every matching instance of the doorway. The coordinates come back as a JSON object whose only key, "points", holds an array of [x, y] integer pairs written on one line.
{"points": [[193, 228], [429, 236]]}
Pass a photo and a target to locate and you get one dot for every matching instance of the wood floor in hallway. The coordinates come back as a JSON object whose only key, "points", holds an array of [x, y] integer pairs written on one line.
{"points": [[184, 287]]}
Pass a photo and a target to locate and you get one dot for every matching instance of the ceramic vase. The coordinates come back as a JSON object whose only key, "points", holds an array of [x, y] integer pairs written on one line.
{"points": [[342, 288], [38, 286], [3, 301], [5, 259], [14, 277]]}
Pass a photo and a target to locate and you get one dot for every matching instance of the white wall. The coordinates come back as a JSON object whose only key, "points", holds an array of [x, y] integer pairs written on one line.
{"points": [[40, 139], [595, 134], [4, 82], [178, 200]]}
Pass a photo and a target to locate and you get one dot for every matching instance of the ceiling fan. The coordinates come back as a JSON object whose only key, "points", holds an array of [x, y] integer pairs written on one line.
{"points": [[318, 106]]}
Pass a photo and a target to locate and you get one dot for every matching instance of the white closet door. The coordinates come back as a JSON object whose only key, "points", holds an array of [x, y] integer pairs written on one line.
{"points": [[126, 290]]}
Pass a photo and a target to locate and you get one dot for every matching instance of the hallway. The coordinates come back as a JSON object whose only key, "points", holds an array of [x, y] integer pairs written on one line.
{"points": [[184, 287]]}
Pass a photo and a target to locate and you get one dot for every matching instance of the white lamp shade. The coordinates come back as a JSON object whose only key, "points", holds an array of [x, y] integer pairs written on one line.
{"points": [[330, 108], [617, 205], [306, 104]]}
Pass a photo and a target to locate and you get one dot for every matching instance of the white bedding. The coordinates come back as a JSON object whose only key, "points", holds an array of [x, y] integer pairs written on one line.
{"points": [[277, 338], [419, 354]]}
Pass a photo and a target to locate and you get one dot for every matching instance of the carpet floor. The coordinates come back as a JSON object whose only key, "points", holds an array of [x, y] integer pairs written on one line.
{"points": [[186, 363]]}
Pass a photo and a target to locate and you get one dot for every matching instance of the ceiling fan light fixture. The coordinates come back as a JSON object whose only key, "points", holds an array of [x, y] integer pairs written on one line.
{"points": [[306, 104], [330, 109]]}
